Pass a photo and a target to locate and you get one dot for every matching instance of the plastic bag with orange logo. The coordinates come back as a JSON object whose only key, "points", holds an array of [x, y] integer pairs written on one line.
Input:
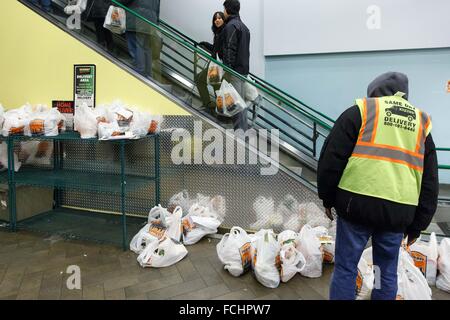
{"points": [[425, 256], [233, 250], [412, 285]]}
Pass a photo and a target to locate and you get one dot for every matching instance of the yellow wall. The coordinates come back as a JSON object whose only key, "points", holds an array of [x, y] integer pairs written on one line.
{"points": [[36, 66]]}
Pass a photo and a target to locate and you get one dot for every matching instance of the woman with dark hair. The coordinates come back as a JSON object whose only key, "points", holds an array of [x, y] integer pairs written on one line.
{"points": [[215, 50], [218, 22]]}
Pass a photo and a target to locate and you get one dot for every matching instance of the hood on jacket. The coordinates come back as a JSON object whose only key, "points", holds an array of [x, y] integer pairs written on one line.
{"points": [[388, 84]]}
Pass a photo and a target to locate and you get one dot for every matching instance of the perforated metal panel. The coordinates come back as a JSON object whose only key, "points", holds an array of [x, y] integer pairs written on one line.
{"points": [[239, 184]]}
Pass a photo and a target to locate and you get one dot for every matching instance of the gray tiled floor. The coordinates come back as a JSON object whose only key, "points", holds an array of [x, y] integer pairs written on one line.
{"points": [[33, 267]]}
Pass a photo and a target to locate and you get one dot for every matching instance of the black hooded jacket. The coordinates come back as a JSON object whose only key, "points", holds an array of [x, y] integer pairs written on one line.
{"points": [[370, 211], [236, 45], [215, 49]]}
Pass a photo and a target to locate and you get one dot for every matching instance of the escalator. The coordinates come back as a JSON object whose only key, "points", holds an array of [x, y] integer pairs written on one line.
{"points": [[302, 128]]}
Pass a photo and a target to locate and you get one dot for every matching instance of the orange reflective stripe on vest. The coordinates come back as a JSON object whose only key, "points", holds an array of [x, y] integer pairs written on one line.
{"points": [[367, 148], [370, 120], [388, 154]]}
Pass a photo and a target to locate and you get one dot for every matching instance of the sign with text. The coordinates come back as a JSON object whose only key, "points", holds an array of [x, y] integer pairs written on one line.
{"points": [[67, 109], [84, 85]]}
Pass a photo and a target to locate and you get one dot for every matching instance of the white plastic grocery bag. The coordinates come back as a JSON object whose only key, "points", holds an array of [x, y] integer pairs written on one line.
{"points": [[142, 239], [199, 222], [160, 254], [327, 244], [174, 224], [228, 101], [17, 121], [234, 251], [35, 152], [115, 20], [85, 121], [215, 73], [366, 277], [111, 131], [425, 256], [267, 262], [4, 157], [287, 237], [412, 285], [310, 246], [443, 278], [251, 93], [292, 262]]}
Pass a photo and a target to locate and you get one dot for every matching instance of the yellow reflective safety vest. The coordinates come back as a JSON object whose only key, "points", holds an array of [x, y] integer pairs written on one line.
{"points": [[387, 161]]}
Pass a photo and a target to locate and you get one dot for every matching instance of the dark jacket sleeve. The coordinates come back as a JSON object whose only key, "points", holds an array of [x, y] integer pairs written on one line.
{"points": [[230, 46], [336, 151], [207, 46], [429, 192]]}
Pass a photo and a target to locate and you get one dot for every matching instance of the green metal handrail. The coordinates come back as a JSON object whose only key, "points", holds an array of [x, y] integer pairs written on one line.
{"points": [[226, 68], [443, 166]]}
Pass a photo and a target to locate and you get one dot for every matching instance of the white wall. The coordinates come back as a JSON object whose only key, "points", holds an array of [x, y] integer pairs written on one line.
{"points": [[321, 26], [194, 17]]}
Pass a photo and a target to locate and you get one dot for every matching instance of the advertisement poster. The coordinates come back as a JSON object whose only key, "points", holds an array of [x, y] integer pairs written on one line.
{"points": [[67, 109], [84, 85]]}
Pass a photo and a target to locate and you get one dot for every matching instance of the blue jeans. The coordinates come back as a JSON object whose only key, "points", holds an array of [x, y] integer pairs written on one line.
{"points": [[351, 240], [46, 4], [139, 48]]}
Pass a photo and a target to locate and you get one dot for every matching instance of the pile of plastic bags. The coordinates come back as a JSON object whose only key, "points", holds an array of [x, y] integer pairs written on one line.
{"points": [[161, 242], [274, 258], [202, 215], [420, 265], [31, 120], [288, 215], [115, 121], [412, 284], [158, 242]]}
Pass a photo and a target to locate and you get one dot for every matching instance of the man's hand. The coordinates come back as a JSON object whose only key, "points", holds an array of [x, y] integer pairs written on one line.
{"points": [[329, 214], [411, 241]]}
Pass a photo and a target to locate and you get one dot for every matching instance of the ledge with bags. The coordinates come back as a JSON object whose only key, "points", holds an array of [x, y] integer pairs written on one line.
{"points": [[39, 152]]}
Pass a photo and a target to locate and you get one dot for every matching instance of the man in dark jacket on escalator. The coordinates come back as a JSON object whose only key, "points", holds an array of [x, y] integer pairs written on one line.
{"points": [[236, 53], [378, 169]]}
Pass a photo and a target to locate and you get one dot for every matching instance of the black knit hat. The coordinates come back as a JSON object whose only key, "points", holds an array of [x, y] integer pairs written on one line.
{"points": [[232, 6]]}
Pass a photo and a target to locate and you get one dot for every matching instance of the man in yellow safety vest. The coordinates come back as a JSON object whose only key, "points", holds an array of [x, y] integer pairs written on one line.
{"points": [[378, 169]]}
